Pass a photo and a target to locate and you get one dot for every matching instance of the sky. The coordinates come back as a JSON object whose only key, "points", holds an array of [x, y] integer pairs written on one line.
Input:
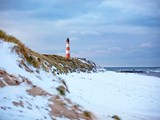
{"points": [[109, 32]]}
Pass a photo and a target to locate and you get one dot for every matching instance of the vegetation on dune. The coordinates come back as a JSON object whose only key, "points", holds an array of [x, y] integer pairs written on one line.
{"points": [[45, 61], [88, 115], [115, 117], [61, 89], [68, 65], [21, 48]]}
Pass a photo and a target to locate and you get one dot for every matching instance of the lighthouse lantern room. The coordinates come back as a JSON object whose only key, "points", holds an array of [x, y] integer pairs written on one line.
{"points": [[67, 49]]}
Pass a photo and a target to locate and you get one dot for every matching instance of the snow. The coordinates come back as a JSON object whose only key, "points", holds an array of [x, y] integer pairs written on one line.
{"points": [[130, 96], [7, 58], [83, 61], [29, 111]]}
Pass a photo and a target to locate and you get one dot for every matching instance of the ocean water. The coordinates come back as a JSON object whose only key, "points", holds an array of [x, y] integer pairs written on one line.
{"points": [[151, 71]]}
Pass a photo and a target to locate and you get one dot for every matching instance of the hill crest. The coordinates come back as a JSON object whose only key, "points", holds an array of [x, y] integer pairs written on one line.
{"points": [[48, 62]]}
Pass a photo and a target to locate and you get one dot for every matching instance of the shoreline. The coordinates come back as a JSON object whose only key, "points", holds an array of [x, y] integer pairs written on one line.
{"points": [[154, 74], [148, 71]]}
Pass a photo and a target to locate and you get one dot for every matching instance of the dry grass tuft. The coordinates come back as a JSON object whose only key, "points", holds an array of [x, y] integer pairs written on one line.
{"points": [[87, 115], [116, 117], [62, 90], [20, 48]]}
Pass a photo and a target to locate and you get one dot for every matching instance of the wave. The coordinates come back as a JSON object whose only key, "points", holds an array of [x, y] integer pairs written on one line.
{"points": [[134, 69]]}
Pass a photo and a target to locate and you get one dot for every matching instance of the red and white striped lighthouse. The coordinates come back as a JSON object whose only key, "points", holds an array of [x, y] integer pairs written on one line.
{"points": [[67, 49]]}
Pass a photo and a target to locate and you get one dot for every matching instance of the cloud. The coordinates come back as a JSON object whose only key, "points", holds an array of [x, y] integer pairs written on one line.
{"points": [[97, 52], [143, 7], [146, 45], [73, 39], [142, 45], [114, 50]]}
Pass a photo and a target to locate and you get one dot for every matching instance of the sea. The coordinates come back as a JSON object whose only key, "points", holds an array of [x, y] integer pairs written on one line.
{"points": [[150, 71]]}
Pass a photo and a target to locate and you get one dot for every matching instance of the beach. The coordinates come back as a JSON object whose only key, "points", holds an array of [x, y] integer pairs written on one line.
{"points": [[130, 96]]}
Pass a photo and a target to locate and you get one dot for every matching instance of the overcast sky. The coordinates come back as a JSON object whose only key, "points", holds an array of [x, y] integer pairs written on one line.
{"points": [[109, 32]]}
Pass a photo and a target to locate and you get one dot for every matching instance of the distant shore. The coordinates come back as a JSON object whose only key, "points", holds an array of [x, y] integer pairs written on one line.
{"points": [[152, 74], [155, 74], [149, 71]]}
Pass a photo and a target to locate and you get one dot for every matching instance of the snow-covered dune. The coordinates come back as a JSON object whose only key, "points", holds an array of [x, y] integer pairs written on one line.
{"points": [[31, 93]]}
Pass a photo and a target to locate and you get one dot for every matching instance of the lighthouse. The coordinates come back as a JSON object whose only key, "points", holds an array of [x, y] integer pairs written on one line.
{"points": [[67, 49]]}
